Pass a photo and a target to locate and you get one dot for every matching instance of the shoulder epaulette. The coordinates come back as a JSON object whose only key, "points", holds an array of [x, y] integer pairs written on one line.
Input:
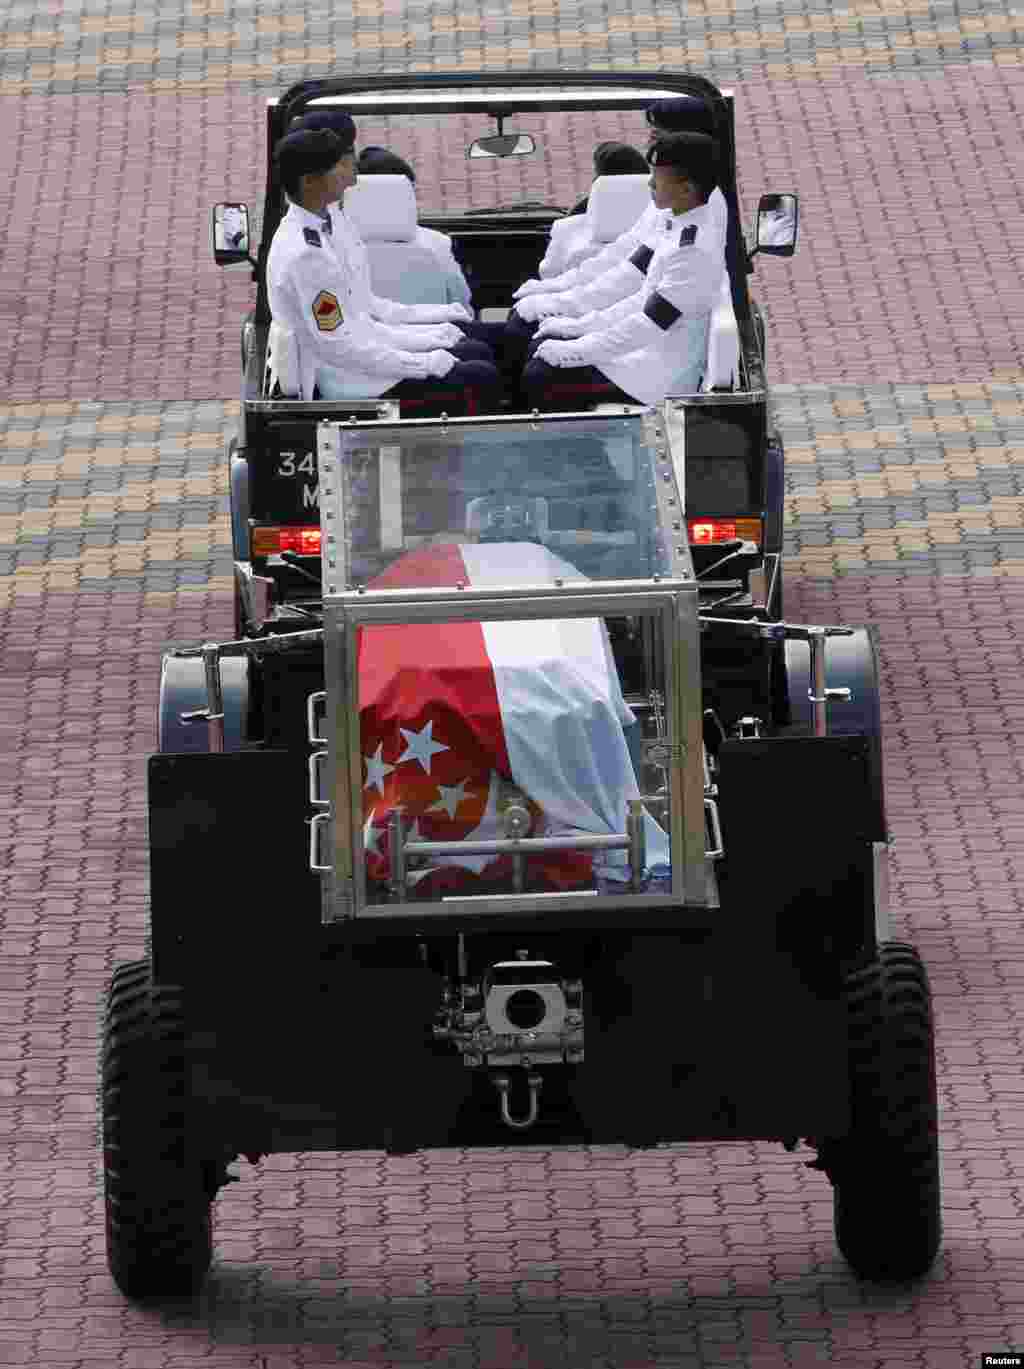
{"points": [[312, 237]]}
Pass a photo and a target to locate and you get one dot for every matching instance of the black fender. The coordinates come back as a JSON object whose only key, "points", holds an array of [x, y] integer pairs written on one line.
{"points": [[183, 690], [851, 663], [238, 476], [774, 493]]}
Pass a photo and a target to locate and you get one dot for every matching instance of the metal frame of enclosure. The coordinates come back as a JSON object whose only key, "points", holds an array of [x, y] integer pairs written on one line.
{"points": [[668, 602]]}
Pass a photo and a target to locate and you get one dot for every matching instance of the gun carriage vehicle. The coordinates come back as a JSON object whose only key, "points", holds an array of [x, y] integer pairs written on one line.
{"points": [[516, 811]]}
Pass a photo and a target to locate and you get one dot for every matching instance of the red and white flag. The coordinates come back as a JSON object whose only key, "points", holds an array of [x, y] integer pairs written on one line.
{"points": [[455, 715]]}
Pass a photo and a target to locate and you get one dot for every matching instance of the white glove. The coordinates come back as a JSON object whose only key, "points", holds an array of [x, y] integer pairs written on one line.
{"points": [[427, 337], [530, 287], [458, 313], [447, 335], [556, 353], [439, 363], [536, 307], [562, 327]]}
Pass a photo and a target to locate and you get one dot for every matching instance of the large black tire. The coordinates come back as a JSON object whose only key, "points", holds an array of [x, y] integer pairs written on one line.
{"points": [[158, 1191], [886, 1197]]}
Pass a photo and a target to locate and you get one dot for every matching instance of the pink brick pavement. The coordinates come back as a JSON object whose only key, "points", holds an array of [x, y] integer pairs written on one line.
{"points": [[911, 211], [689, 1256]]}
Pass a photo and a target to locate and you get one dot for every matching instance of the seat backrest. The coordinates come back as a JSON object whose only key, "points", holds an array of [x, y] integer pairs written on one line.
{"points": [[383, 209], [722, 368], [615, 204]]}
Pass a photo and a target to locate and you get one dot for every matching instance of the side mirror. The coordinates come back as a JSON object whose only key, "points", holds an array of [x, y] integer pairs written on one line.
{"points": [[777, 220], [502, 145], [230, 230]]}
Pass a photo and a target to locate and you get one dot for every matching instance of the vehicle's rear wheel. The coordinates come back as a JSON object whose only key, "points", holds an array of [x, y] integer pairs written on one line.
{"points": [[886, 1198], [158, 1189]]}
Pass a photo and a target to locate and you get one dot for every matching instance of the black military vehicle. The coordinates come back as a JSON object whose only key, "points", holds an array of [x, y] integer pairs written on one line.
{"points": [[516, 811]]}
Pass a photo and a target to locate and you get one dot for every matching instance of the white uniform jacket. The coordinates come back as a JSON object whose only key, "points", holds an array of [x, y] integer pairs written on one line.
{"points": [[568, 237], [654, 343], [316, 298], [644, 233], [457, 288]]}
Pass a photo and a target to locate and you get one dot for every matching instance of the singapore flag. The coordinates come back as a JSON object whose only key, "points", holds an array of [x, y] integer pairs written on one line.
{"points": [[454, 715]]}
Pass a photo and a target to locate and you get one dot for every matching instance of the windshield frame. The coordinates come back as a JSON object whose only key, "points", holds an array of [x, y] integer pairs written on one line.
{"points": [[339, 514], [384, 94]]}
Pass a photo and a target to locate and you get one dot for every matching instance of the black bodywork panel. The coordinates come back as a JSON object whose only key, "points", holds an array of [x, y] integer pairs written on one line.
{"points": [[725, 459], [726, 1026]]}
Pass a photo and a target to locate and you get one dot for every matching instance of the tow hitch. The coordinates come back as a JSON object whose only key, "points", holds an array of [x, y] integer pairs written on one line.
{"points": [[520, 1015]]}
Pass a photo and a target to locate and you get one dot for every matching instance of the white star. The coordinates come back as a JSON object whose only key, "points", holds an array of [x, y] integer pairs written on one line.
{"points": [[377, 769], [451, 797], [420, 746], [371, 836]]}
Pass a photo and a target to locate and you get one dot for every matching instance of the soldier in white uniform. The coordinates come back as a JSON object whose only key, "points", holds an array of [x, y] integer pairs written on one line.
{"points": [[683, 114], [414, 327], [603, 280], [654, 342], [318, 301], [380, 161]]}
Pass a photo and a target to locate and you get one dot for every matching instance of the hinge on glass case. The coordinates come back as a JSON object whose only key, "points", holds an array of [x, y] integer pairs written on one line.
{"points": [[338, 903], [658, 751]]}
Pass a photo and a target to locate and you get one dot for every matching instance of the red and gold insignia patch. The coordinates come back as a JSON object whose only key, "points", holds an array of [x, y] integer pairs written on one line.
{"points": [[327, 312]]}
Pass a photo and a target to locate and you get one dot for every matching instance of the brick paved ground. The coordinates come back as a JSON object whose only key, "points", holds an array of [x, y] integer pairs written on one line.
{"points": [[896, 339]]}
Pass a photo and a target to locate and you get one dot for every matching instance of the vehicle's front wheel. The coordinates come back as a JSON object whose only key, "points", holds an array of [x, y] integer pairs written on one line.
{"points": [[158, 1191], [886, 1196]]}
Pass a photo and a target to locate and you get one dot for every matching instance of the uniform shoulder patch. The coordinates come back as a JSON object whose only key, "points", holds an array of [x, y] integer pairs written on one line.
{"points": [[688, 236], [327, 312], [312, 237]]}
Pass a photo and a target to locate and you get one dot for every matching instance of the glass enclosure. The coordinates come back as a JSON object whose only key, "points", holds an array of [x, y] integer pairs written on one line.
{"points": [[550, 501], [511, 681]]}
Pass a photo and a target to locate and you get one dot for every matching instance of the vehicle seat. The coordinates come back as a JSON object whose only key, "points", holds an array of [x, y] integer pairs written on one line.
{"points": [[281, 372], [613, 207], [383, 209], [723, 362]]}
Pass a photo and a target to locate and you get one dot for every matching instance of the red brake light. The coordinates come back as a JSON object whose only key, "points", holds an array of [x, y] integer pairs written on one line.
{"points": [[272, 541], [705, 531], [711, 530]]}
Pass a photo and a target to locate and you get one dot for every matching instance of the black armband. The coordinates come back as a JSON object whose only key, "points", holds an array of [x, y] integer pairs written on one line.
{"points": [[641, 259], [661, 311]]}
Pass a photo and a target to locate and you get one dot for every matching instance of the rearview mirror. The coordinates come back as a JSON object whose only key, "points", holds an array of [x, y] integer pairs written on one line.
{"points": [[230, 226], [777, 218], [502, 145]]}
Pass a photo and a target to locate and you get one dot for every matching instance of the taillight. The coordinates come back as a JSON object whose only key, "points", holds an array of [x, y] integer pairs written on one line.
{"points": [[705, 531], [272, 541]]}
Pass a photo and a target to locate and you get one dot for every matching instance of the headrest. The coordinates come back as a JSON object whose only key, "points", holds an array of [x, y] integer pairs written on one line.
{"points": [[615, 204], [383, 208]]}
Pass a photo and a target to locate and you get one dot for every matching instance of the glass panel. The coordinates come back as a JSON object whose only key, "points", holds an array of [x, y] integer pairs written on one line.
{"points": [[500, 506], [475, 733], [450, 183]]}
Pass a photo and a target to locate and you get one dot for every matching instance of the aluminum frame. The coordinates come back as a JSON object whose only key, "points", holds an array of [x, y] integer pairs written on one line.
{"points": [[671, 600]]}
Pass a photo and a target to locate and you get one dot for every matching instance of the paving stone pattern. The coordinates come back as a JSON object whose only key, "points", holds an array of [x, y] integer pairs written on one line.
{"points": [[895, 341]]}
